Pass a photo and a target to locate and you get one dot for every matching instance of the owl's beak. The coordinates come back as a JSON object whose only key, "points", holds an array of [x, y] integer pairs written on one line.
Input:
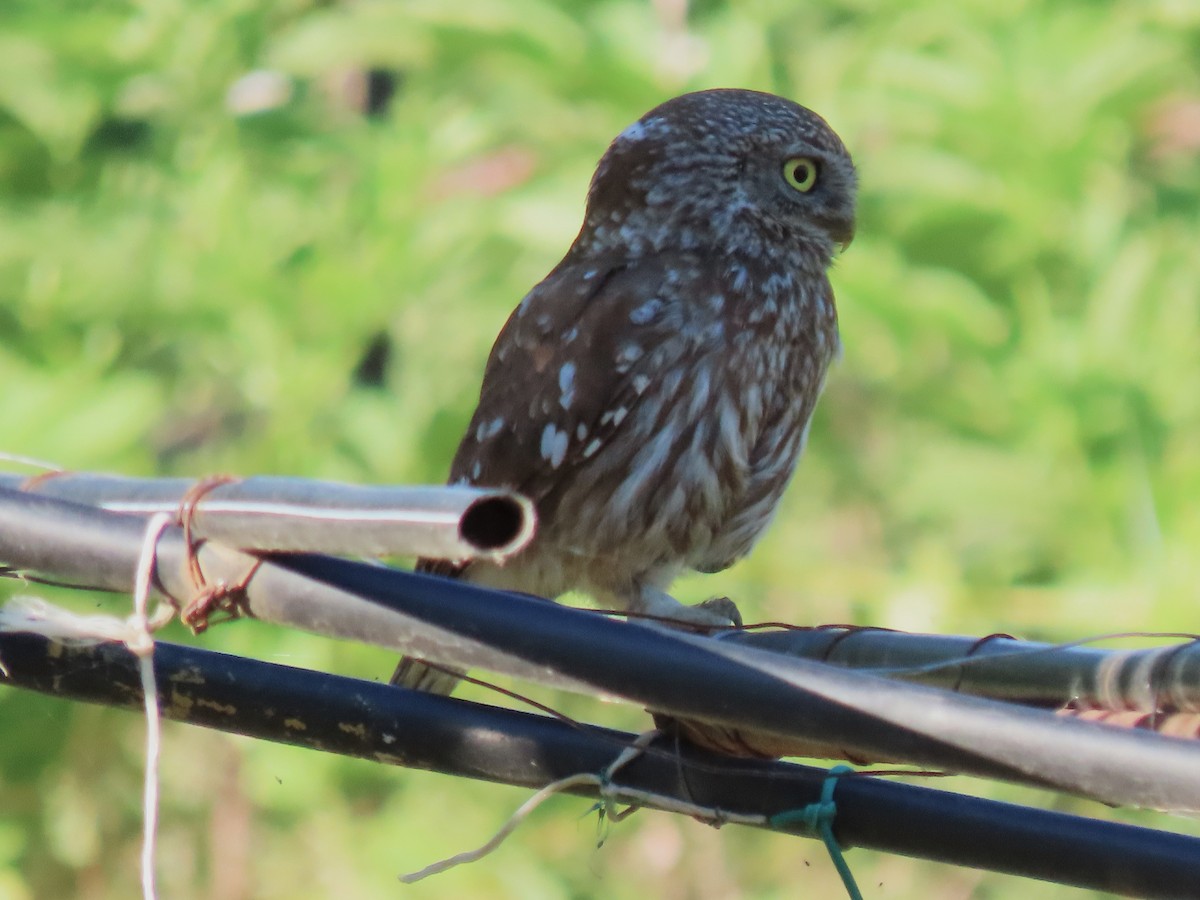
{"points": [[845, 238], [840, 230]]}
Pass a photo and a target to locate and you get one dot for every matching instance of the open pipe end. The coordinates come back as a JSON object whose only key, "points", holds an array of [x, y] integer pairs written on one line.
{"points": [[498, 525]]}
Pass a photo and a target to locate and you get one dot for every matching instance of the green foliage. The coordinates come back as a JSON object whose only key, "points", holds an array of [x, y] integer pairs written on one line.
{"points": [[1008, 444]]}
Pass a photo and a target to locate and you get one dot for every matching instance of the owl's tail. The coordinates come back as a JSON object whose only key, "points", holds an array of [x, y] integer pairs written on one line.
{"points": [[412, 673]]}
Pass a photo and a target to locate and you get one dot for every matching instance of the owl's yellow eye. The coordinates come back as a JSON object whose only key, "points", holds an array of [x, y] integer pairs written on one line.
{"points": [[800, 172]]}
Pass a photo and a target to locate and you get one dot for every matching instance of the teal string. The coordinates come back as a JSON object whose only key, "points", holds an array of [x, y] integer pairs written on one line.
{"points": [[817, 819]]}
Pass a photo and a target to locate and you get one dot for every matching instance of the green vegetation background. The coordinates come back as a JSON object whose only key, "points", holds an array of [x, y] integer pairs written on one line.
{"points": [[1011, 442]]}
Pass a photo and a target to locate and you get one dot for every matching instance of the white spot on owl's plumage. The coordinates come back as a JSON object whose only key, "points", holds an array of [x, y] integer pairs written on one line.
{"points": [[614, 416], [627, 354], [554, 445], [634, 132], [647, 312], [487, 430], [566, 384], [740, 277]]}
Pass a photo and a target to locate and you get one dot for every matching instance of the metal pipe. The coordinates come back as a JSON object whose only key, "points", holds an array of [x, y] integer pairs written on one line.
{"points": [[686, 677], [1039, 674], [266, 513], [392, 725], [100, 549]]}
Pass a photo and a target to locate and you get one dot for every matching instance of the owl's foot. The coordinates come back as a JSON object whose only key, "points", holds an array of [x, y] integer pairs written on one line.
{"points": [[723, 607], [719, 612]]}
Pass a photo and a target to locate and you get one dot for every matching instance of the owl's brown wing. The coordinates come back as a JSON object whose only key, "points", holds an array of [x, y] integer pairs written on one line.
{"points": [[570, 366]]}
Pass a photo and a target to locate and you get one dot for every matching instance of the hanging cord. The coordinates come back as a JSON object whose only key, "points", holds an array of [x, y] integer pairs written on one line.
{"points": [[609, 794], [30, 614]]}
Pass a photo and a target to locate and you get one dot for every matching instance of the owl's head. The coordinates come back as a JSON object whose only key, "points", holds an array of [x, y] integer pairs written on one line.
{"points": [[723, 171]]}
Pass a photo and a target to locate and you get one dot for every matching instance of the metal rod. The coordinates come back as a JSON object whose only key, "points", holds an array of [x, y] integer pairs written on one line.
{"points": [[859, 716], [262, 513], [1039, 674], [393, 725], [686, 677], [100, 549]]}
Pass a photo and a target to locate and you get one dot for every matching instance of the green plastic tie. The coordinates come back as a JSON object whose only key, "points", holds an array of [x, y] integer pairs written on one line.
{"points": [[817, 819]]}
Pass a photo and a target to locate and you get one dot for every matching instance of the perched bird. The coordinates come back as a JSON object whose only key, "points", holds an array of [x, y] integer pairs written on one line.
{"points": [[652, 395]]}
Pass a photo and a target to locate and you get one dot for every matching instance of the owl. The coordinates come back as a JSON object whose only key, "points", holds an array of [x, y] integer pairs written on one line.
{"points": [[652, 394]]}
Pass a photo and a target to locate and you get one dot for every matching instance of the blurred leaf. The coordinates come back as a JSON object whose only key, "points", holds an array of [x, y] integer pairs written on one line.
{"points": [[1007, 444]]}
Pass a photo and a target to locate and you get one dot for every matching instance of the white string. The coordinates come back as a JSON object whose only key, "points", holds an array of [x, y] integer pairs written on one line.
{"points": [[608, 793], [32, 614], [29, 461], [143, 647], [508, 828]]}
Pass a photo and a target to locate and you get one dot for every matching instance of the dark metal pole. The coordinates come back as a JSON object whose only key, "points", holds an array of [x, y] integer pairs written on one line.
{"points": [[690, 677], [457, 737]]}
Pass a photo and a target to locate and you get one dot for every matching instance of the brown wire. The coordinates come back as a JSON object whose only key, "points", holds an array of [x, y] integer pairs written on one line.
{"points": [[208, 598], [847, 631], [33, 482], [975, 648]]}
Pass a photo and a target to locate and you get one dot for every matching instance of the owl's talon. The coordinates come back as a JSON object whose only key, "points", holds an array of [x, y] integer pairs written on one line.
{"points": [[724, 608]]}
